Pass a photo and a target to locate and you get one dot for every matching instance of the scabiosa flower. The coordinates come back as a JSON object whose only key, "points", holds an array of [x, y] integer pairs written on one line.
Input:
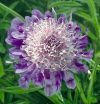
{"points": [[47, 50]]}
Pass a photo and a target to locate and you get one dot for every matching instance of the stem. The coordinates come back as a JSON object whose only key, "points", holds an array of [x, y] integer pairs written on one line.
{"points": [[70, 95], [1, 68], [61, 97], [80, 89], [90, 88], [76, 96]]}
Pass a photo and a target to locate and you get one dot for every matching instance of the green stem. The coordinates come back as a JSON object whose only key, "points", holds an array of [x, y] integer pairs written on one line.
{"points": [[76, 96], [69, 95], [4, 7], [80, 89], [61, 97], [1, 68], [90, 88]]}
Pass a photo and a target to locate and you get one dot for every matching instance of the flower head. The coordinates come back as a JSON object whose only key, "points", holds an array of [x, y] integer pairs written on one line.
{"points": [[47, 50]]}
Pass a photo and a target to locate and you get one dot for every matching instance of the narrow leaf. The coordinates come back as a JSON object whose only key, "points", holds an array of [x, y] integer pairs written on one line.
{"points": [[80, 89], [19, 90], [1, 69], [12, 6], [2, 96], [14, 13], [67, 10], [2, 49], [83, 15], [64, 3], [92, 9]]}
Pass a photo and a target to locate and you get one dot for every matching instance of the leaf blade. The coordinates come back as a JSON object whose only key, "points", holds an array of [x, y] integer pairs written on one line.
{"points": [[14, 13], [63, 3], [19, 90], [1, 69]]}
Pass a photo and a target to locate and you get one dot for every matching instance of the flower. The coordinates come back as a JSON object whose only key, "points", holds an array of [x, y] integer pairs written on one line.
{"points": [[47, 50]]}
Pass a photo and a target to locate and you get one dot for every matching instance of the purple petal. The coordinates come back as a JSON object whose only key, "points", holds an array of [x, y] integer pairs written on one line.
{"points": [[48, 14], [15, 51], [23, 82], [18, 35], [59, 75], [38, 78], [70, 25], [62, 75], [20, 68], [37, 13], [13, 57], [17, 24], [24, 66], [61, 19], [83, 41], [80, 67], [22, 63], [47, 74], [56, 85], [14, 42], [35, 18], [48, 88], [56, 81], [28, 20], [71, 83], [86, 55], [69, 79], [77, 29]]}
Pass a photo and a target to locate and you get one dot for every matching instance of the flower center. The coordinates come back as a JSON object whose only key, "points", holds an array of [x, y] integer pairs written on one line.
{"points": [[48, 45]]}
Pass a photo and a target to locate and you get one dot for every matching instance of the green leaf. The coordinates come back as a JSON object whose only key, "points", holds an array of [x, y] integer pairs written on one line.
{"points": [[4, 25], [19, 90], [92, 9], [83, 15], [76, 96], [9, 10], [89, 33], [97, 54], [2, 49], [91, 83], [83, 1], [80, 89], [2, 96], [92, 36], [64, 3], [1, 69], [67, 10], [98, 67], [12, 6], [57, 99], [20, 102], [93, 99]]}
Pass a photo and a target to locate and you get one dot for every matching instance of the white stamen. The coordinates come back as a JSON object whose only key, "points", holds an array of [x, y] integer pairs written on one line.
{"points": [[48, 54]]}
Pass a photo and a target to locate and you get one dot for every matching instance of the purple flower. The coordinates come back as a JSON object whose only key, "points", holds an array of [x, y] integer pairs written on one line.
{"points": [[46, 50]]}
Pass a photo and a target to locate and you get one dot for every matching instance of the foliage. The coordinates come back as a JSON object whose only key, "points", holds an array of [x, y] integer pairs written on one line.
{"points": [[87, 14]]}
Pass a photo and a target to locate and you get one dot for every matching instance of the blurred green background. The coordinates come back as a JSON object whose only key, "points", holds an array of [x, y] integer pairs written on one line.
{"points": [[87, 14]]}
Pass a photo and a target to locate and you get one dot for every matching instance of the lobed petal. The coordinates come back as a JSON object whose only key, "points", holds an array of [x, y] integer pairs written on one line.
{"points": [[80, 67], [37, 13], [14, 42], [48, 14], [69, 80], [23, 82], [62, 19]]}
